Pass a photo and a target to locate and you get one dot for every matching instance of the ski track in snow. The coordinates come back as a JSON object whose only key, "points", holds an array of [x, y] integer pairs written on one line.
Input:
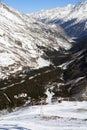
{"points": [[58, 116]]}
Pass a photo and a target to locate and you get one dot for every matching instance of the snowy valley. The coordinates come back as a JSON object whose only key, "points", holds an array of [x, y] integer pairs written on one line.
{"points": [[43, 56]]}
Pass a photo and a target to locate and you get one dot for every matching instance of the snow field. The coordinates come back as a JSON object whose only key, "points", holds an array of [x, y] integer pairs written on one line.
{"points": [[58, 116]]}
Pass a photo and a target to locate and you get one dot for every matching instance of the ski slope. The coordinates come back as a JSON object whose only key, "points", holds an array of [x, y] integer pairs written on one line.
{"points": [[63, 116]]}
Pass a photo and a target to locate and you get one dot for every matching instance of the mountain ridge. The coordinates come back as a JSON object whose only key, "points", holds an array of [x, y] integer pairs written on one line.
{"points": [[68, 17]]}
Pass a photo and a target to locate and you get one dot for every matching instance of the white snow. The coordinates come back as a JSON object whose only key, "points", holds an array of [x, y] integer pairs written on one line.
{"points": [[64, 65], [42, 63], [20, 36], [59, 116], [49, 96], [51, 14], [5, 59], [69, 15]]}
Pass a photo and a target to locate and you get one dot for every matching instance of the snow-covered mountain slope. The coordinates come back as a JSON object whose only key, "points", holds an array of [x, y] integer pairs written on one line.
{"points": [[63, 116], [72, 18], [21, 40], [26, 42]]}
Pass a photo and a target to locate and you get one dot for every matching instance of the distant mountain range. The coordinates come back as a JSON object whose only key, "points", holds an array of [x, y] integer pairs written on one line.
{"points": [[39, 43], [73, 18]]}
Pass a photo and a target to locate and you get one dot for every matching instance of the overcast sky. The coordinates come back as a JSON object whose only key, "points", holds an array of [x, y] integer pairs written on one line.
{"points": [[29, 6]]}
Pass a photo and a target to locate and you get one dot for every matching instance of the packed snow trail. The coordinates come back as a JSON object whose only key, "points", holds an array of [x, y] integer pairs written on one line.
{"points": [[62, 116]]}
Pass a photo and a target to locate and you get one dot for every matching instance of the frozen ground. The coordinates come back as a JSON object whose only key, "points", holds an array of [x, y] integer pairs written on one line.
{"points": [[58, 116]]}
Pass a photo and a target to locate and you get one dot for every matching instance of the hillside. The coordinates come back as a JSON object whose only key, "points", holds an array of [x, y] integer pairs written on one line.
{"points": [[21, 40], [26, 43]]}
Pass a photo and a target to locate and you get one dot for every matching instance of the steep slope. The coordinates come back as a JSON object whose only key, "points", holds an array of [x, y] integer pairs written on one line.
{"points": [[72, 18], [21, 39], [76, 73], [26, 42]]}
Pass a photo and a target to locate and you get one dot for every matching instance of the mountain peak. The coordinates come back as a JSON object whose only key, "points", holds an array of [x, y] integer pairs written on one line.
{"points": [[70, 5]]}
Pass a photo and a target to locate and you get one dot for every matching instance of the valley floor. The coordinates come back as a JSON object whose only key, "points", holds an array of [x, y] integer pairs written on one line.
{"points": [[59, 116]]}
